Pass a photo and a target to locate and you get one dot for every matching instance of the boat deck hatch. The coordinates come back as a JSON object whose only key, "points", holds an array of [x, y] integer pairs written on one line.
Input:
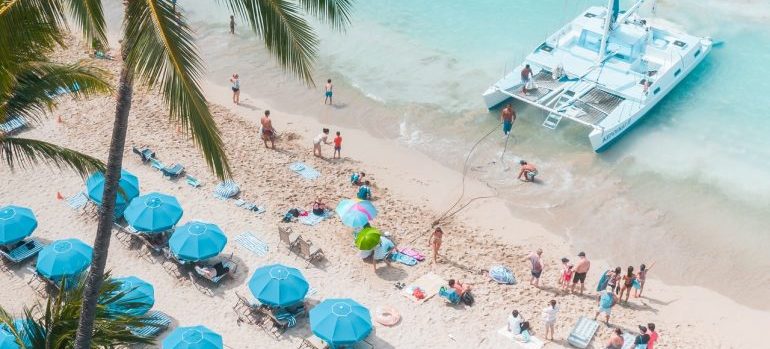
{"points": [[545, 47], [680, 44]]}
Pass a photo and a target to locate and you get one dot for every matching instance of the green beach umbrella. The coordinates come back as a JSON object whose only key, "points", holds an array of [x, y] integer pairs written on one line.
{"points": [[367, 239]]}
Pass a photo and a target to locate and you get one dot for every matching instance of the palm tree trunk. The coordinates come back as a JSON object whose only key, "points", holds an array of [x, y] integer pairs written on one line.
{"points": [[107, 210]]}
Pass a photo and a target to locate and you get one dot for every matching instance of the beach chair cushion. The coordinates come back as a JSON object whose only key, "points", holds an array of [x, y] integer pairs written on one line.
{"points": [[173, 170], [157, 323], [583, 332]]}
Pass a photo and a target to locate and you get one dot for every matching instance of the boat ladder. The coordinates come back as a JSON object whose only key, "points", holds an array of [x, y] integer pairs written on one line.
{"points": [[553, 119]]}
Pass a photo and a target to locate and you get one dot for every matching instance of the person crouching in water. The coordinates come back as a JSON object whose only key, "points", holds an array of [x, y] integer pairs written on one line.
{"points": [[528, 172]]}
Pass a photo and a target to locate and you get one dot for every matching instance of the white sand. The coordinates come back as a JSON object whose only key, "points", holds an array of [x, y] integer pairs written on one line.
{"points": [[411, 190]]}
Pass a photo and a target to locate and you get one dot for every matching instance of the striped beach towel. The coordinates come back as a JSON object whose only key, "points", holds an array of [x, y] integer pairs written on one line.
{"points": [[305, 170], [226, 190], [253, 244]]}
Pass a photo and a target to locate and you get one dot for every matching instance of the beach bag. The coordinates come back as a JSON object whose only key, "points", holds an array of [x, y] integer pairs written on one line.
{"points": [[502, 275], [467, 299], [449, 294]]}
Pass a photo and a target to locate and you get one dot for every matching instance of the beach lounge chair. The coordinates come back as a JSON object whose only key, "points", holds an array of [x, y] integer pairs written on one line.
{"points": [[223, 268], [157, 323], [156, 164], [288, 237], [309, 252], [313, 342], [172, 171], [247, 310], [270, 324], [193, 182], [41, 284], [77, 201], [13, 125], [144, 153], [25, 250], [583, 332]]}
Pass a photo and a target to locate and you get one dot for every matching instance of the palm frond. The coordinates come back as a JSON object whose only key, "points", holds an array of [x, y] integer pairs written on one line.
{"points": [[335, 13], [163, 55], [32, 95], [287, 35], [23, 152], [89, 16]]}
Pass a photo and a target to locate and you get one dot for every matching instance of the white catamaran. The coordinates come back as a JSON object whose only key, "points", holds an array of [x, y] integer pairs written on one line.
{"points": [[605, 70]]}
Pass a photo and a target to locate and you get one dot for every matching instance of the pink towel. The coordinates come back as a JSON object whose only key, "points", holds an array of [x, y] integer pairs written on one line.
{"points": [[411, 252]]}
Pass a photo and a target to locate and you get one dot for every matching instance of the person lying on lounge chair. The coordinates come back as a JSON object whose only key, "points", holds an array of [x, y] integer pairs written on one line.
{"points": [[212, 271]]}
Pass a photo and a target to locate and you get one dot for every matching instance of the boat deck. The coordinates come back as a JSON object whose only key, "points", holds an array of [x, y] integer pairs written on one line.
{"points": [[597, 104]]}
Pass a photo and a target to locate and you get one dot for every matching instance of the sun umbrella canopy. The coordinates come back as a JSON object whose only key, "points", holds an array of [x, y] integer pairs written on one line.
{"points": [[128, 183], [7, 339], [153, 212], [194, 337], [340, 321], [278, 285], [138, 296], [195, 241], [367, 239], [356, 213], [16, 223], [64, 258], [24, 327]]}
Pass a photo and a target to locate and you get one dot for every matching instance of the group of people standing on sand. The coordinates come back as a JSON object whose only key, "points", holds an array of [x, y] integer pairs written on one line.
{"points": [[570, 276]]}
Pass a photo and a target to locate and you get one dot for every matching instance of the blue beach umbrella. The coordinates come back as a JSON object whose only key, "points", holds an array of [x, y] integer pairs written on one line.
{"points": [[356, 213], [16, 223], [153, 212], [64, 258], [23, 328], [195, 241], [340, 321], [194, 337], [128, 183], [278, 285], [7, 339], [138, 296]]}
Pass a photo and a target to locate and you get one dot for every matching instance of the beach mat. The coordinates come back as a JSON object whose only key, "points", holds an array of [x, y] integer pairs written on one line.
{"points": [[305, 170], [534, 342], [429, 283], [628, 341], [252, 243], [313, 219]]}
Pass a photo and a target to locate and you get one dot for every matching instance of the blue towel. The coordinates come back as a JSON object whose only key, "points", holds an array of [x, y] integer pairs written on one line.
{"points": [[304, 170], [313, 219], [252, 243], [403, 259]]}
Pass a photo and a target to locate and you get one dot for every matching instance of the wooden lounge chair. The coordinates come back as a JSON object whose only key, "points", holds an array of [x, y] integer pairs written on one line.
{"points": [[173, 171], [22, 252], [157, 323], [271, 324], [247, 310], [313, 342], [309, 252], [41, 284], [288, 237]]}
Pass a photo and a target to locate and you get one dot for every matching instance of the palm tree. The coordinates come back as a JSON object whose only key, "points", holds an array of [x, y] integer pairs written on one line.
{"points": [[158, 50], [27, 80], [53, 325]]}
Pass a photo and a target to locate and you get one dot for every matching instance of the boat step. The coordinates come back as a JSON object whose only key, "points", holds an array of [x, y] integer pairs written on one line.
{"points": [[552, 121]]}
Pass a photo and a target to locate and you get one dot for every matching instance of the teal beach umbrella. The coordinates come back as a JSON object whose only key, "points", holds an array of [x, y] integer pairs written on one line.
{"points": [[194, 337], [138, 296], [128, 183], [7, 339], [16, 223], [278, 285], [340, 321], [195, 241], [153, 212], [64, 258]]}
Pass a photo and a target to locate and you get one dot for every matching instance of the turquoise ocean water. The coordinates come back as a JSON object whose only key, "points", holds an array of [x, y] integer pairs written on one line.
{"points": [[688, 187]]}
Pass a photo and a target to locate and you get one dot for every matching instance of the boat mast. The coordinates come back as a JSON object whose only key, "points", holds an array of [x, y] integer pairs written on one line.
{"points": [[628, 13], [613, 7]]}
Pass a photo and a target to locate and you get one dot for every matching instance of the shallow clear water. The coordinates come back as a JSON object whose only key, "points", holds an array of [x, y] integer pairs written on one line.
{"points": [[688, 186]]}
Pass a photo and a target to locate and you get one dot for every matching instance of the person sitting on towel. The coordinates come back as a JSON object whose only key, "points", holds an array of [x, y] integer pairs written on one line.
{"points": [[524, 333], [319, 207], [459, 287]]}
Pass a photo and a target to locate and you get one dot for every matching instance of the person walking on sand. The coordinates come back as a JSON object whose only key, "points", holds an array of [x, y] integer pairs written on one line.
{"points": [[268, 132], [337, 146], [653, 336], [526, 75], [628, 283], [616, 340], [232, 24], [236, 87], [322, 137], [642, 277], [536, 267], [549, 317], [507, 116], [328, 92], [581, 271], [434, 242], [606, 301], [527, 171]]}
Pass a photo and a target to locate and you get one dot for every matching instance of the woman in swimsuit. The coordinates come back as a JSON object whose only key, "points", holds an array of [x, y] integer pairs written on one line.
{"points": [[614, 277], [628, 283], [642, 276], [616, 340], [435, 242], [236, 87]]}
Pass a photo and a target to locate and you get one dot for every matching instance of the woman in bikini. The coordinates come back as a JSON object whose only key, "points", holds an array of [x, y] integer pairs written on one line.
{"points": [[642, 276], [435, 242], [614, 277], [628, 283]]}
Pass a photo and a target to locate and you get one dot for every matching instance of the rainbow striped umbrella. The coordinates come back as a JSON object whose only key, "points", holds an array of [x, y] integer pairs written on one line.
{"points": [[356, 213]]}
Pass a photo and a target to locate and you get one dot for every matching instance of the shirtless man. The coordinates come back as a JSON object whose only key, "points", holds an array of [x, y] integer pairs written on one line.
{"points": [[507, 116], [328, 91], [268, 132], [526, 74], [527, 171], [581, 270], [536, 266]]}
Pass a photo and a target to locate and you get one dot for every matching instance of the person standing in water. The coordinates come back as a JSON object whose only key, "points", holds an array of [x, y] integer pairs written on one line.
{"points": [[435, 242], [268, 132], [507, 116], [328, 91], [236, 87], [232, 24]]}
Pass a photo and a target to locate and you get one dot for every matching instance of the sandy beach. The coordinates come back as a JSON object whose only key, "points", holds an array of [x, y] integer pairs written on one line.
{"points": [[410, 190]]}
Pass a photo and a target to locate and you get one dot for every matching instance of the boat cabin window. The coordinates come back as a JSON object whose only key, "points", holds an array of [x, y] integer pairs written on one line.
{"points": [[676, 73], [656, 91], [681, 44], [545, 47], [697, 53], [589, 15], [590, 40]]}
